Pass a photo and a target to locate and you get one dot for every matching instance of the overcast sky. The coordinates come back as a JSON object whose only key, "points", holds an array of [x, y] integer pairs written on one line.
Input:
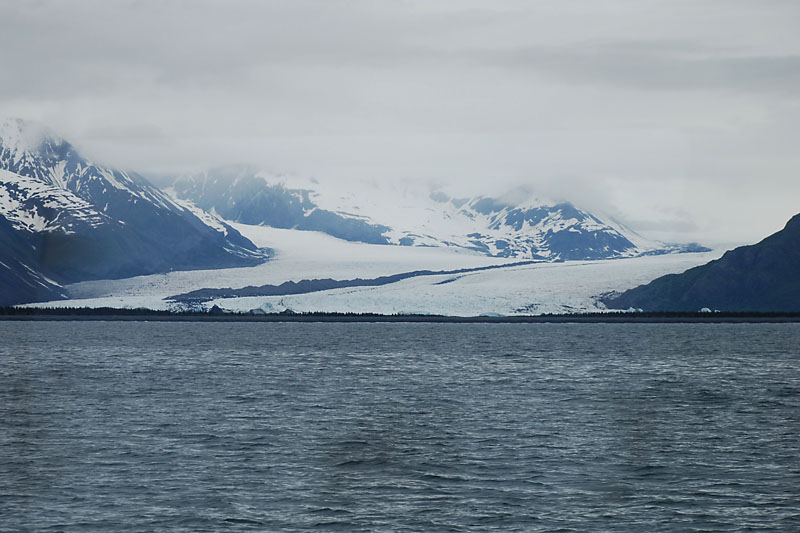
{"points": [[683, 117]]}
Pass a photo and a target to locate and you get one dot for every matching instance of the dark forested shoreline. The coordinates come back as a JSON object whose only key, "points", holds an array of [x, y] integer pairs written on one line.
{"points": [[110, 314]]}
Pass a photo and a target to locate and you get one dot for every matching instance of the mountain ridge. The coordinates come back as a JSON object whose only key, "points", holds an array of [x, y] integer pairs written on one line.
{"points": [[72, 220], [762, 277]]}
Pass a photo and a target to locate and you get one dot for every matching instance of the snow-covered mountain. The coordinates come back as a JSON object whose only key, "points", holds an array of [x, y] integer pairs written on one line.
{"points": [[65, 219], [518, 224]]}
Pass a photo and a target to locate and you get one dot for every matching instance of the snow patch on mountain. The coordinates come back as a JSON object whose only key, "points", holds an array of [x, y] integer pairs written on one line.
{"points": [[210, 219], [34, 206]]}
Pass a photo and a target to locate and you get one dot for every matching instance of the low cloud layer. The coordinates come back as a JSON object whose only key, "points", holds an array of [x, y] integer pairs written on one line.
{"points": [[679, 116]]}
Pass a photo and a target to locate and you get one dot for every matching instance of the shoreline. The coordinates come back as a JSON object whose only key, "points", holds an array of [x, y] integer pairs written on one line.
{"points": [[138, 315]]}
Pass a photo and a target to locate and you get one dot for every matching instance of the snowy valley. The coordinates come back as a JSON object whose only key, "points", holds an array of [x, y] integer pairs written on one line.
{"points": [[546, 287]]}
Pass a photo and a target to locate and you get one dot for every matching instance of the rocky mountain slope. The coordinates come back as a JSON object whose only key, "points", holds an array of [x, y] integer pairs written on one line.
{"points": [[761, 277]]}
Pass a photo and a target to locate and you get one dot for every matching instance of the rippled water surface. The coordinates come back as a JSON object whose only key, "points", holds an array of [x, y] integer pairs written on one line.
{"points": [[110, 426]]}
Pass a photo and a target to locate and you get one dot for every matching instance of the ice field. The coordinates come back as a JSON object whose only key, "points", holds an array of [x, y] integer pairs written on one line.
{"points": [[571, 286]]}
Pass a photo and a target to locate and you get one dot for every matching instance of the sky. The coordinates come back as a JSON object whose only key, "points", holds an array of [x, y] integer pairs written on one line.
{"points": [[680, 117]]}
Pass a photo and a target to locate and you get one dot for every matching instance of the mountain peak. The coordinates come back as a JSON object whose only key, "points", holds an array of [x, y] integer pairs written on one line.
{"points": [[18, 134], [793, 224], [75, 220]]}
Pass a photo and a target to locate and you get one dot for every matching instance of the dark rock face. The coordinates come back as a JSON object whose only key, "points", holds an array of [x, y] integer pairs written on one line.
{"points": [[20, 283], [73, 220], [762, 277]]}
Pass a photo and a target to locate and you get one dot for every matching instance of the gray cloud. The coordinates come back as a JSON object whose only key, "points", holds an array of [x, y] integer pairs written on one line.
{"points": [[641, 105], [655, 66], [125, 132]]}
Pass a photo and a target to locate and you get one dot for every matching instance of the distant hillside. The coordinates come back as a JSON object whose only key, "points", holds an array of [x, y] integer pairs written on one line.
{"points": [[761, 277]]}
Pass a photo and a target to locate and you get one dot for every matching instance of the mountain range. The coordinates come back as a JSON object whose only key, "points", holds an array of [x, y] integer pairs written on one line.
{"points": [[66, 219], [518, 224]]}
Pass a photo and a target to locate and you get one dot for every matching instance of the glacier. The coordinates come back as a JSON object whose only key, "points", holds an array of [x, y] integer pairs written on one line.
{"points": [[549, 287]]}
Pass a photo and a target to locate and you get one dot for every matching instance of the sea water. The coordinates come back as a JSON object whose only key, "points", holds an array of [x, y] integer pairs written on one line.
{"points": [[111, 426]]}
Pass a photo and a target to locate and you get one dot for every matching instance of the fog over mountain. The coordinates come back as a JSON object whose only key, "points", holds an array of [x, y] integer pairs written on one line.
{"points": [[678, 117]]}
